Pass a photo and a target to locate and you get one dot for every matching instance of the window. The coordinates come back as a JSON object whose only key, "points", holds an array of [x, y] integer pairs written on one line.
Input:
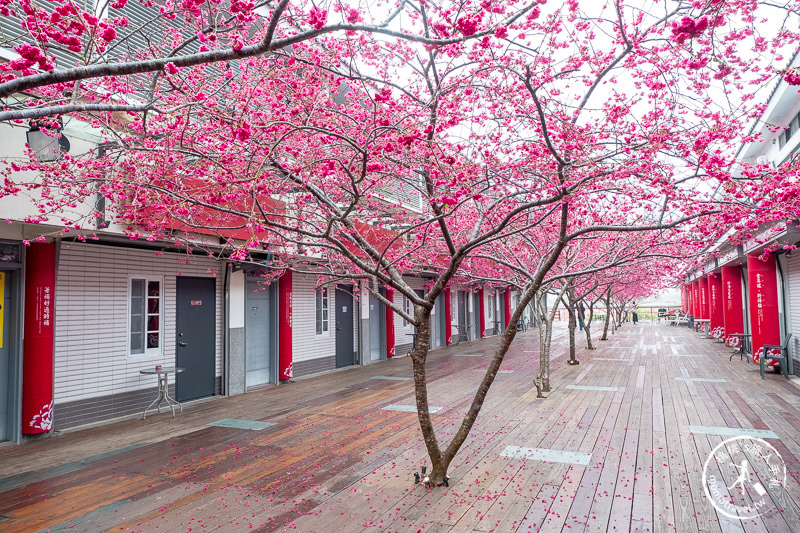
{"points": [[145, 316], [322, 310], [408, 308]]}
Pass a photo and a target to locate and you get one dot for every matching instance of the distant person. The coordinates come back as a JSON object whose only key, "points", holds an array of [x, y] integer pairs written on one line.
{"points": [[635, 313]]}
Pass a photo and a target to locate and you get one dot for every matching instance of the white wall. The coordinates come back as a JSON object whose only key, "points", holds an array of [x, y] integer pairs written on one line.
{"points": [[237, 300], [306, 344], [12, 149], [91, 328]]}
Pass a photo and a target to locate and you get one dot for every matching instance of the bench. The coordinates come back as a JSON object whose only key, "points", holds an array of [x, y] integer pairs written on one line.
{"points": [[782, 356]]}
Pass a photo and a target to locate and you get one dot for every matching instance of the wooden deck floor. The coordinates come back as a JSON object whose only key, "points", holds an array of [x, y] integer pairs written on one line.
{"points": [[336, 461]]}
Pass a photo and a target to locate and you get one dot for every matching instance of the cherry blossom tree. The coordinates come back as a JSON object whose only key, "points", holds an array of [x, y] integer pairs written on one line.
{"points": [[474, 140]]}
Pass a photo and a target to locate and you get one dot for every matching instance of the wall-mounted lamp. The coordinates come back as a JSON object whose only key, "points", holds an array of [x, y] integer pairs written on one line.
{"points": [[47, 146]]}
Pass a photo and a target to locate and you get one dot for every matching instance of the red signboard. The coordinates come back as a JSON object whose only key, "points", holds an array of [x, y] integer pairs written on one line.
{"points": [[695, 299], [285, 358], [37, 362], [689, 302], [717, 324], [683, 299], [703, 285], [732, 305], [764, 317], [481, 307], [448, 327], [507, 305], [389, 324]]}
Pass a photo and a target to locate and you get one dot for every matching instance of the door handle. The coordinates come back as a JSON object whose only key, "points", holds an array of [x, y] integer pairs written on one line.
{"points": [[182, 344]]}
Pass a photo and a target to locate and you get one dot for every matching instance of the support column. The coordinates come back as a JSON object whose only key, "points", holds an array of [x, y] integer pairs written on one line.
{"points": [[389, 324], [285, 357], [37, 360], [448, 326], [732, 305], [702, 284], [715, 301], [764, 316], [507, 306], [684, 303], [689, 302], [481, 311], [695, 299]]}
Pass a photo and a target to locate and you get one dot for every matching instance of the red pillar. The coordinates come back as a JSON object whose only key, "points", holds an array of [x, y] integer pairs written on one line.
{"points": [[507, 305], [764, 317], [715, 300], [285, 358], [684, 304], [732, 305], [481, 311], [702, 284], [389, 324], [448, 327], [689, 302], [696, 299], [37, 361]]}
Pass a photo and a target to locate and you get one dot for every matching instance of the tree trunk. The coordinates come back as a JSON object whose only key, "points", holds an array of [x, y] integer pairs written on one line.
{"points": [[419, 357], [608, 316], [440, 460], [542, 380], [571, 326], [587, 326]]}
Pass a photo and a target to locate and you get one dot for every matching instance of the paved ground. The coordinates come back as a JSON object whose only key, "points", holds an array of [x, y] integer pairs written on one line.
{"points": [[619, 445]]}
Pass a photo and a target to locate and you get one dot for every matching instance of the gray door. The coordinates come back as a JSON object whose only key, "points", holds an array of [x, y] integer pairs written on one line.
{"points": [[476, 316], [501, 312], [7, 385], [437, 323], [345, 351], [462, 315], [258, 327], [376, 328], [195, 349]]}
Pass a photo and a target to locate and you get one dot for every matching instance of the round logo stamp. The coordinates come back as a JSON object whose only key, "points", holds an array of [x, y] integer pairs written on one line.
{"points": [[743, 477]]}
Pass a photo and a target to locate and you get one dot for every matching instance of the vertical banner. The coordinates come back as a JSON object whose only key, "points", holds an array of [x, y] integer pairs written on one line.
{"points": [[389, 324], [696, 299], [764, 319], [717, 323], [2, 301], [732, 304], [482, 312], [285, 356], [507, 306], [37, 359], [689, 302], [683, 299], [702, 283], [448, 326]]}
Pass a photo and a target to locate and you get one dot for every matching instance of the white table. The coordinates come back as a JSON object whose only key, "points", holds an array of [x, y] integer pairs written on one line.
{"points": [[163, 389]]}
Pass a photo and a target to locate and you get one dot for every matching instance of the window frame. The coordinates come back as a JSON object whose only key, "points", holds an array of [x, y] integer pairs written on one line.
{"points": [[146, 352], [408, 308], [322, 315]]}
